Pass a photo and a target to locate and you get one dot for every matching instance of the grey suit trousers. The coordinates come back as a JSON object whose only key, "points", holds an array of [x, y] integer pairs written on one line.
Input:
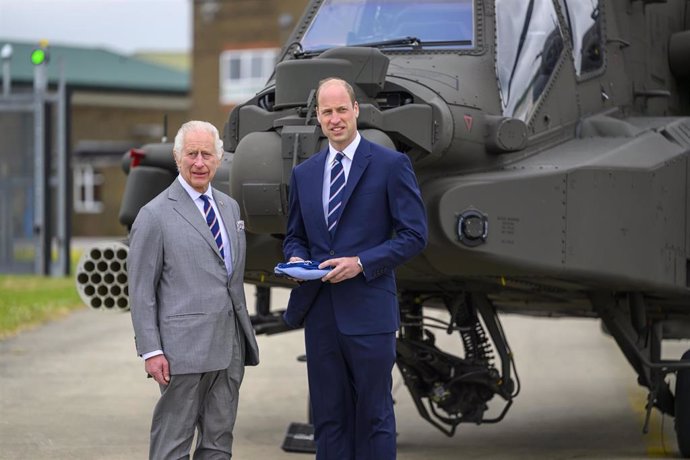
{"points": [[207, 402]]}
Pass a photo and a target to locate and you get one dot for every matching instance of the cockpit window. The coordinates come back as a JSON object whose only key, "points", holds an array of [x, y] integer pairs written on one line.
{"points": [[584, 20], [433, 23], [529, 43]]}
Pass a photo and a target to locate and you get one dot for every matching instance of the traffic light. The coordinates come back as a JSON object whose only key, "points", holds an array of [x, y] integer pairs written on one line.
{"points": [[40, 55]]}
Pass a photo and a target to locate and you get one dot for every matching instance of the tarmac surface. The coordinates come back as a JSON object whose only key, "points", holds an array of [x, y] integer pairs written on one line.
{"points": [[74, 389]]}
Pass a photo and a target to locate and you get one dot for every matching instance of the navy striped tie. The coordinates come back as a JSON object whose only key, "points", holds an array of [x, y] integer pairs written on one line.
{"points": [[213, 224], [335, 198]]}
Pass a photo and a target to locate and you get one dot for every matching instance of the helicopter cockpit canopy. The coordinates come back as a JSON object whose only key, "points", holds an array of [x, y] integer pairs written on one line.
{"points": [[530, 43], [391, 23]]}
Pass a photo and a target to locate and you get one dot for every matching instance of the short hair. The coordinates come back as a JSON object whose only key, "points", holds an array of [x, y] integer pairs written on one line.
{"points": [[196, 125], [346, 85]]}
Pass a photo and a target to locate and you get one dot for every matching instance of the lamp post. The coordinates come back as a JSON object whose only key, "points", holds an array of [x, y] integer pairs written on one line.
{"points": [[39, 59]]}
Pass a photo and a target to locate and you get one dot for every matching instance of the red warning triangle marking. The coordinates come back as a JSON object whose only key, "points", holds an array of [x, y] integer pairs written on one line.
{"points": [[468, 122]]}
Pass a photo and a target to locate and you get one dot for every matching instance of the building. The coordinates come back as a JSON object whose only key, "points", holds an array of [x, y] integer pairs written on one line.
{"points": [[117, 102], [114, 102], [236, 44]]}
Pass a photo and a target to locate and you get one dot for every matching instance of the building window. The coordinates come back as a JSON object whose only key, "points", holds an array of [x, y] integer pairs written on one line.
{"points": [[87, 189], [243, 73]]}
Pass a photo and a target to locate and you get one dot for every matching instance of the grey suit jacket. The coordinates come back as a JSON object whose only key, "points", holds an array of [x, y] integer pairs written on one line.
{"points": [[182, 301]]}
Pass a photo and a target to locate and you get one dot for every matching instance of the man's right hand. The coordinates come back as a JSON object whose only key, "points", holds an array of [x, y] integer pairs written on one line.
{"points": [[295, 259], [157, 367]]}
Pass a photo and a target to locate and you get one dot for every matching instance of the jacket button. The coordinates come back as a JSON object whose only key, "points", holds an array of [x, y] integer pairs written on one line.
{"points": [[331, 252]]}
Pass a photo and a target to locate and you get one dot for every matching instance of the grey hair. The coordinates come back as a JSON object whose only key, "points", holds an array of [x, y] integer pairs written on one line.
{"points": [[196, 125]]}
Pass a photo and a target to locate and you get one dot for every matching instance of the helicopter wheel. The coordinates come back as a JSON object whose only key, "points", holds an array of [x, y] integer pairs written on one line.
{"points": [[683, 409]]}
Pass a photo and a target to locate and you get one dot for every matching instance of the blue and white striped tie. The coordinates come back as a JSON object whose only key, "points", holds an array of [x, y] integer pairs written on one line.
{"points": [[335, 198], [213, 224]]}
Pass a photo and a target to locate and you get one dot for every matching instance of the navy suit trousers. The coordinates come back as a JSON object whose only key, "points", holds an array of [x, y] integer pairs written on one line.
{"points": [[350, 380]]}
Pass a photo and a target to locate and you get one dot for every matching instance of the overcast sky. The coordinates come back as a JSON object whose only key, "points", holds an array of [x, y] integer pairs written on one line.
{"points": [[120, 25]]}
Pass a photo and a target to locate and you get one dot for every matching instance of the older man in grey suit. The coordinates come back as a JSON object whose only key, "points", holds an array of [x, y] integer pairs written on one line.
{"points": [[186, 268]]}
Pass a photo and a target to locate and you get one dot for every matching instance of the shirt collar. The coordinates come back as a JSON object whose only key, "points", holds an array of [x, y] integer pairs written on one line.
{"points": [[348, 151], [193, 194]]}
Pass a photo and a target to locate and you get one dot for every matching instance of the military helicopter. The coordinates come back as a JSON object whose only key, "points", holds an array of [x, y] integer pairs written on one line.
{"points": [[550, 139]]}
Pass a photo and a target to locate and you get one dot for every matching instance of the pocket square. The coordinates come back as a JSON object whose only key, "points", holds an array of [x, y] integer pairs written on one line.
{"points": [[240, 225], [302, 270]]}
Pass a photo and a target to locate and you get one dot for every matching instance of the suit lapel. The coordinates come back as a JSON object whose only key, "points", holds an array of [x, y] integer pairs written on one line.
{"points": [[230, 222], [312, 191], [186, 208], [359, 164]]}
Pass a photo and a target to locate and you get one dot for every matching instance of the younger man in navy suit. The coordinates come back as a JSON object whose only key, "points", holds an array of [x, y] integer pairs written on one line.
{"points": [[356, 207]]}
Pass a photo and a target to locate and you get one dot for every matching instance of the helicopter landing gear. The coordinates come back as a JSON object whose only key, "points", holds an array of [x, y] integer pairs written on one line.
{"points": [[682, 408], [639, 335], [447, 389]]}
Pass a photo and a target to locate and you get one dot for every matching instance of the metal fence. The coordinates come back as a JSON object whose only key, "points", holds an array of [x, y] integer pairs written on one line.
{"points": [[34, 178]]}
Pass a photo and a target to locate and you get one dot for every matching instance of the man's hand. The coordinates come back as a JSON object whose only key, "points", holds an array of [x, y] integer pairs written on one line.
{"points": [[157, 367], [295, 259], [344, 268]]}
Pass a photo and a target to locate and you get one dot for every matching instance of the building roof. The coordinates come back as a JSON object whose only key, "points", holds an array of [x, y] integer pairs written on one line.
{"points": [[179, 61], [97, 68]]}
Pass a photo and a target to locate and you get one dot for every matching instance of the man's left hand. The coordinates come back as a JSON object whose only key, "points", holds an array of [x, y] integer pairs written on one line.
{"points": [[344, 268]]}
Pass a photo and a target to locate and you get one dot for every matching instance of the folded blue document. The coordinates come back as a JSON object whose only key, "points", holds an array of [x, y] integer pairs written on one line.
{"points": [[302, 270]]}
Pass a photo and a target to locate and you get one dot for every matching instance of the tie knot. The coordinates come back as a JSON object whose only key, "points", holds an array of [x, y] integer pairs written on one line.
{"points": [[205, 199], [339, 157]]}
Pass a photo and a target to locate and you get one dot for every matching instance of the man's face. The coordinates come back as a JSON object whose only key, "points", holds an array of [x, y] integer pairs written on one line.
{"points": [[337, 115], [199, 162]]}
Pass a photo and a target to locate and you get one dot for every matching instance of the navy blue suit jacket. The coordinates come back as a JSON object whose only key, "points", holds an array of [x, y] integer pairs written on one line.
{"points": [[383, 221]]}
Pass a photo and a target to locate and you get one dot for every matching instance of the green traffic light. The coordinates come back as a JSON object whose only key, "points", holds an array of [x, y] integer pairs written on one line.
{"points": [[38, 56]]}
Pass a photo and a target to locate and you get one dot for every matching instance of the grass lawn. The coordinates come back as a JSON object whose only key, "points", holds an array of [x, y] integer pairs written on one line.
{"points": [[29, 300]]}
